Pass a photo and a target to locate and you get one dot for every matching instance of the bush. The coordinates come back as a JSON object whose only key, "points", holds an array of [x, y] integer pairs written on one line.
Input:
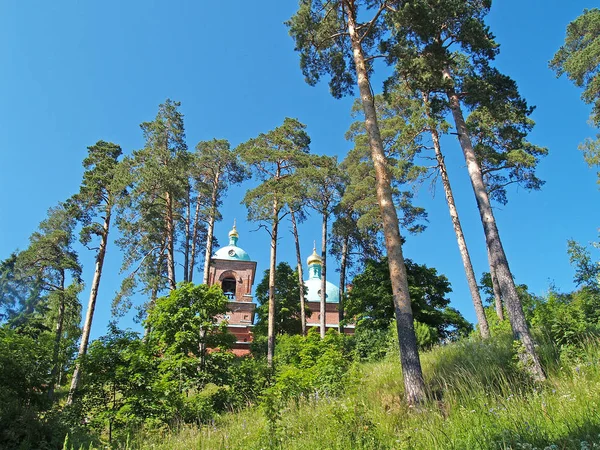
{"points": [[569, 319], [370, 344], [25, 365]]}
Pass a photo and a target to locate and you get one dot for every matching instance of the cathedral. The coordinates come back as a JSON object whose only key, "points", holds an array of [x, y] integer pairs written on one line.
{"points": [[232, 268]]}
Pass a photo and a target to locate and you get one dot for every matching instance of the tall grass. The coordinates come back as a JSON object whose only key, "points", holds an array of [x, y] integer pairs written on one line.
{"points": [[479, 398]]}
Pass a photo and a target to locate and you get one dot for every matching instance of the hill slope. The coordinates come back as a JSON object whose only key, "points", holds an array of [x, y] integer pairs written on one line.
{"points": [[480, 398]]}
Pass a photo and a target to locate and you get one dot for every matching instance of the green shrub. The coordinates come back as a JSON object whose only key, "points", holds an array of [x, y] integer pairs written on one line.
{"points": [[569, 319]]}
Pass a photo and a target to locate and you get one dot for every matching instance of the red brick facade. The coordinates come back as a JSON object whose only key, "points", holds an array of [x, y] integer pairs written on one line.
{"points": [[236, 279], [232, 269], [332, 317]]}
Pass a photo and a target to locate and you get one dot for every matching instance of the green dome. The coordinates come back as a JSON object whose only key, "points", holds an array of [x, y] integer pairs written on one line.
{"points": [[232, 252], [313, 286]]}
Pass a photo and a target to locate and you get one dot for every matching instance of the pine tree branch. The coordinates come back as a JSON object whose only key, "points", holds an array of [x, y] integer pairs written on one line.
{"points": [[371, 22]]}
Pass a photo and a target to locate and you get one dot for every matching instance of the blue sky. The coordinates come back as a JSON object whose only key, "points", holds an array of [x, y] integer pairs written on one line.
{"points": [[74, 72]]}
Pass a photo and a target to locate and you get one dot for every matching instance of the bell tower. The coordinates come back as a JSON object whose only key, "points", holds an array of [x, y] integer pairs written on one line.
{"points": [[232, 269]]}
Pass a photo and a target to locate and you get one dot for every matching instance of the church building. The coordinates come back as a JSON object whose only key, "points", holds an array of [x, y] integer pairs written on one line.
{"points": [[313, 297], [232, 268]]}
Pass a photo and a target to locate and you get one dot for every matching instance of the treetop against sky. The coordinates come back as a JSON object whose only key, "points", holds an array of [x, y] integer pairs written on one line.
{"points": [[77, 72]]}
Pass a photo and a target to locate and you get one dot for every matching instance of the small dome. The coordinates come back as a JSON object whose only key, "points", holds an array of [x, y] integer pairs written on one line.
{"points": [[313, 294], [314, 258], [233, 232]]}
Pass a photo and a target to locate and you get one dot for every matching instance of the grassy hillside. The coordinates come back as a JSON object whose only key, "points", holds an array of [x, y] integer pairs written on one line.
{"points": [[480, 398]]}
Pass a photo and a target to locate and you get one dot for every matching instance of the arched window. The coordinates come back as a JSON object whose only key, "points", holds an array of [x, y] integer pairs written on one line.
{"points": [[228, 286]]}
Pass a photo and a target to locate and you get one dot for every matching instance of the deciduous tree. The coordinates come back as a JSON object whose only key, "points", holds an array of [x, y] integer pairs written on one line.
{"points": [[287, 310], [370, 300]]}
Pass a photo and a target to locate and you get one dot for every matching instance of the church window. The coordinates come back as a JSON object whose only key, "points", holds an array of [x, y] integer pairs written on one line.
{"points": [[228, 286]]}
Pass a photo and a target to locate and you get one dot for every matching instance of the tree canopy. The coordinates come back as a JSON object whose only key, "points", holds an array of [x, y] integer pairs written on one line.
{"points": [[370, 299]]}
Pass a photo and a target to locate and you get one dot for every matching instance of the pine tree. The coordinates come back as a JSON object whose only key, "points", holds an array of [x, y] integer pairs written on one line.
{"points": [[333, 41], [274, 157], [216, 167], [148, 215], [51, 261], [323, 180], [297, 214], [579, 59], [100, 189], [445, 46]]}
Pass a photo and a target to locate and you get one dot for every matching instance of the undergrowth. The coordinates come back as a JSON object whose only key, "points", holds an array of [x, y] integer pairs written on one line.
{"points": [[479, 398]]}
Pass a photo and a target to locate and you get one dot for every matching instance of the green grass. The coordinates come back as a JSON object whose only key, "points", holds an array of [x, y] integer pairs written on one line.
{"points": [[478, 399]]}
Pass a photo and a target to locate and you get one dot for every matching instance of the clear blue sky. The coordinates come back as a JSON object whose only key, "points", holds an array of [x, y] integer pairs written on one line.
{"points": [[74, 72]]}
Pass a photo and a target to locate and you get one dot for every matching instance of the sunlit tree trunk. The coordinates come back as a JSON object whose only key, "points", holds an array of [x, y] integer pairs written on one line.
{"points": [[87, 326], [494, 244], [194, 239], [411, 366], [211, 228], [323, 299], [57, 337], [495, 289], [300, 273], [170, 227], [342, 289], [188, 237], [484, 329], [272, 264]]}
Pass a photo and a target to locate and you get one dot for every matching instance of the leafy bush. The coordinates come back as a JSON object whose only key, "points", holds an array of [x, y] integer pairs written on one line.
{"points": [[569, 319], [25, 365], [308, 366], [371, 344]]}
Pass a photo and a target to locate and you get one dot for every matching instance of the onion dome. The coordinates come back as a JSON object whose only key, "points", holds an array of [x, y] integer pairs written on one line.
{"points": [[233, 233], [313, 284], [314, 258], [232, 251]]}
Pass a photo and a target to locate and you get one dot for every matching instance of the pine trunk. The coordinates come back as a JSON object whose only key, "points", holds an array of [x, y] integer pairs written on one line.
{"points": [[322, 303], [211, 229], [484, 329], [170, 243], [495, 289], [188, 237], [272, 264], [57, 338], [494, 244], [411, 366], [343, 263], [89, 316], [193, 244], [150, 305], [300, 273]]}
